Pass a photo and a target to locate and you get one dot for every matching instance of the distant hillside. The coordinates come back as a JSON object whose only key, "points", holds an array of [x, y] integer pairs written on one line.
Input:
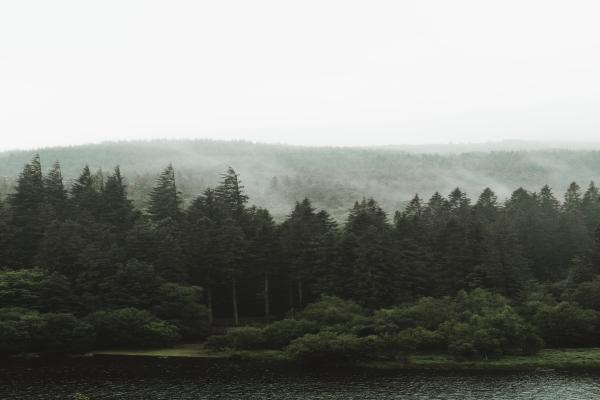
{"points": [[276, 176]]}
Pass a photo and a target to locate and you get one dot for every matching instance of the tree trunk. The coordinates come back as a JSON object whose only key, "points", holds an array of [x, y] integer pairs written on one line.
{"points": [[291, 296], [209, 305], [267, 305], [234, 301], [300, 304]]}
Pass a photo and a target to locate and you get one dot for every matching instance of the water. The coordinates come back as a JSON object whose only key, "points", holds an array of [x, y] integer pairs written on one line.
{"points": [[191, 379]]}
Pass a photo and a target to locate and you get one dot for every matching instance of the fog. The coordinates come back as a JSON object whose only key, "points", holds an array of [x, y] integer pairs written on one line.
{"points": [[340, 73]]}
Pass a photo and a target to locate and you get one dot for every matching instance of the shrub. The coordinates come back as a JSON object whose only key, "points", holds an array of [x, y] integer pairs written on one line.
{"points": [[331, 310], [425, 339], [428, 312], [567, 324], [496, 333], [180, 306], [327, 348], [130, 327], [280, 333], [242, 338], [65, 334], [25, 331], [386, 347]]}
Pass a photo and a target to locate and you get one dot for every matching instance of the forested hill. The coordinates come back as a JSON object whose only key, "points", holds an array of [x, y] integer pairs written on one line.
{"points": [[275, 176]]}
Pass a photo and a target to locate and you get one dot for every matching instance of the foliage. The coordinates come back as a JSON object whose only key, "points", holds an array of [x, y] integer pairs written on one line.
{"points": [[129, 327], [327, 348], [280, 333], [331, 310], [242, 338]]}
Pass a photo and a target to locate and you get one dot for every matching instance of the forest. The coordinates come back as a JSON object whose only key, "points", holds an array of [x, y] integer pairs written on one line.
{"points": [[333, 178], [83, 268]]}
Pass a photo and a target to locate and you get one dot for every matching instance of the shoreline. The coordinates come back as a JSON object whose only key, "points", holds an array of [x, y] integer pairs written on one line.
{"points": [[559, 359]]}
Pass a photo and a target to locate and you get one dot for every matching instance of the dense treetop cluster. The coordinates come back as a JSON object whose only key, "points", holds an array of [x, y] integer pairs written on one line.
{"points": [[276, 176], [112, 274]]}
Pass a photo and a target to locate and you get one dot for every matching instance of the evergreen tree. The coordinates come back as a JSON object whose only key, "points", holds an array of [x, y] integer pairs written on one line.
{"points": [[119, 211], [367, 253], [28, 214], [504, 266], [86, 196], [165, 201], [55, 193], [230, 192], [262, 251], [302, 246]]}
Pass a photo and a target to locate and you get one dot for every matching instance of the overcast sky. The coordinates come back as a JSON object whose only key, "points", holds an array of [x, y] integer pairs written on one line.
{"points": [[304, 72]]}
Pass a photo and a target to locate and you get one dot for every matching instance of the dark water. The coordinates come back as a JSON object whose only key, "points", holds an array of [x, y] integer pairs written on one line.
{"points": [[190, 379]]}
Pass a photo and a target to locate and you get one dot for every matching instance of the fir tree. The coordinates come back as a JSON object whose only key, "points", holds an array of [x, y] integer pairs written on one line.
{"points": [[165, 201]]}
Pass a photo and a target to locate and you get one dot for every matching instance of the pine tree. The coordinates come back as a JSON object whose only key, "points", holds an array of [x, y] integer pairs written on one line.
{"points": [[590, 206], [504, 266], [201, 228], [301, 237], [28, 216], [230, 192], [262, 251], [367, 253], [233, 230], [86, 194], [55, 193], [165, 201], [118, 209]]}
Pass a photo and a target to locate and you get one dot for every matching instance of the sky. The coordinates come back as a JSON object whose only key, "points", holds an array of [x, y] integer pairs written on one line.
{"points": [[305, 72]]}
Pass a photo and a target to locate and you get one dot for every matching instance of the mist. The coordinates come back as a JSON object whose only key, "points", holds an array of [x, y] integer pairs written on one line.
{"points": [[323, 73]]}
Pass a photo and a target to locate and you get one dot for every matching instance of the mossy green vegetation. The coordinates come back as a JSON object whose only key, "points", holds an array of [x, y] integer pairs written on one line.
{"points": [[588, 358]]}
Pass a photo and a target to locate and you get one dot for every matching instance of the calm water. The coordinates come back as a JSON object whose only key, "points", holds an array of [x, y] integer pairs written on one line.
{"points": [[174, 379]]}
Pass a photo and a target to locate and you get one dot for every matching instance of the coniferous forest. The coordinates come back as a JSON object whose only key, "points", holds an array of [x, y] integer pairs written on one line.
{"points": [[82, 268]]}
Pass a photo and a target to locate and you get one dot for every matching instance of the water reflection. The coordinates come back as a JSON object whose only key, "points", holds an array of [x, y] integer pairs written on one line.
{"points": [[189, 379]]}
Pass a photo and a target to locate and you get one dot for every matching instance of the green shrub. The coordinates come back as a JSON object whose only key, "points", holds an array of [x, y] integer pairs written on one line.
{"points": [[428, 312], [280, 333], [424, 339], [130, 327], [217, 342], [65, 334], [498, 332], [386, 347], [180, 306], [331, 310], [567, 324], [242, 338], [25, 331], [327, 348]]}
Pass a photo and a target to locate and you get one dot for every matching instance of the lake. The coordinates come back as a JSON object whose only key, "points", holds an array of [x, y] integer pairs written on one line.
{"points": [[148, 378]]}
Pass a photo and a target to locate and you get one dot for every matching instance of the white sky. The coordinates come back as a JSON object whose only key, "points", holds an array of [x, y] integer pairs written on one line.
{"points": [[302, 72]]}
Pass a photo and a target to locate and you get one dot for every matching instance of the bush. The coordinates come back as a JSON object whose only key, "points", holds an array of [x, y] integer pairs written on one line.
{"points": [[25, 331], [386, 347], [242, 338], [331, 310], [280, 333], [567, 324], [180, 306], [65, 334], [428, 312], [327, 348], [130, 327], [587, 294], [498, 332], [424, 339]]}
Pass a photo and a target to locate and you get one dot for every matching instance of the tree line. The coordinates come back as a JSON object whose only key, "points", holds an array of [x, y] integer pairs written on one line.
{"points": [[87, 255]]}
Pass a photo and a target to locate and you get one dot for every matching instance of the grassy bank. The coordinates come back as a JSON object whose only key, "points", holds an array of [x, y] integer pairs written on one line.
{"points": [[195, 351], [548, 358]]}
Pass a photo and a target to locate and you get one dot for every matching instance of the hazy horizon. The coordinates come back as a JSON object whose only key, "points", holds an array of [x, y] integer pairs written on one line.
{"points": [[500, 145], [323, 73]]}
